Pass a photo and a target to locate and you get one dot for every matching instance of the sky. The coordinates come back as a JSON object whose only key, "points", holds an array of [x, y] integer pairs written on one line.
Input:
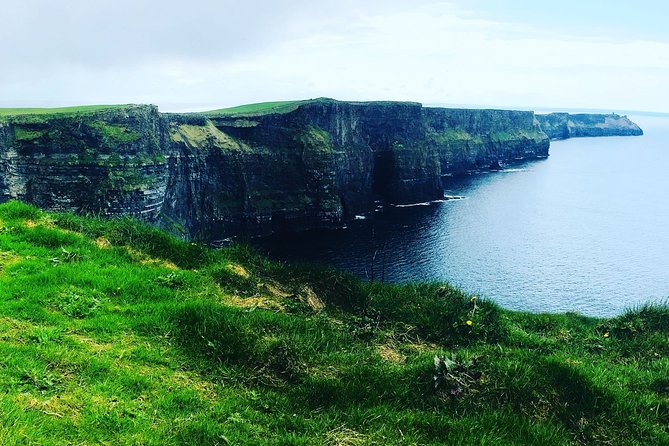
{"points": [[206, 54]]}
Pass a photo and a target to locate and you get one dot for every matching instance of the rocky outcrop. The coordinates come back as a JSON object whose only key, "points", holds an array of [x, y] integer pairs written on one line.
{"points": [[316, 164], [565, 125], [110, 162], [483, 139]]}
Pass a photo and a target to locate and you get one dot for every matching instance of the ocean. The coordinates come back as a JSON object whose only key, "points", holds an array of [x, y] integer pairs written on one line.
{"points": [[585, 230]]}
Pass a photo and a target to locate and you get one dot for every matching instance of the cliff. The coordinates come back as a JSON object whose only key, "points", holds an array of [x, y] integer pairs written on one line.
{"points": [[254, 169], [109, 161], [565, 125]]}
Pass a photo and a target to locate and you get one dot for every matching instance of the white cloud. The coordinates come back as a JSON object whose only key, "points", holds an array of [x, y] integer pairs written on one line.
{"points": [[444, 57], [428, 51]]}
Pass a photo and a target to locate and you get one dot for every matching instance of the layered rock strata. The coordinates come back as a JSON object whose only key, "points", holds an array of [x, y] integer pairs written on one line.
{"points": [[565, 125], [210, 176]]}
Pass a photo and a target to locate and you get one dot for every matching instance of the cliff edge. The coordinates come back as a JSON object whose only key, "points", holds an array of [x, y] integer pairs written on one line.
{"points": [[264, 168], [565, 125], [252, 169]]}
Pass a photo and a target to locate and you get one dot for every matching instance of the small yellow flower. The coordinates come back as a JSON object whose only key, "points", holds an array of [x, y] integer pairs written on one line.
{"points": [[606, 335], [473, 298], [469, 323]]}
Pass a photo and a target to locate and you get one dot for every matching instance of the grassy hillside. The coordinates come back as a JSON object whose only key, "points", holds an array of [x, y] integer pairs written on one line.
{"points": [[265, 108], [115, 333], [56, 111], [261, 108]]}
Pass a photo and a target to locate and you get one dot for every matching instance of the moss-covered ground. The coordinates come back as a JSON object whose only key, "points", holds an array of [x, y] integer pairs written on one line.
{"points": [[115, 333]]}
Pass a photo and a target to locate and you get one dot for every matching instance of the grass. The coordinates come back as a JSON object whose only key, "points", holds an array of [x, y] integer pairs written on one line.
{"points": [[22, 134], [261, 108], [112, 332], [315, 138], [115, 133], [280, 107], [203, 136], [536, 136], [58, 110], [456, 135]]}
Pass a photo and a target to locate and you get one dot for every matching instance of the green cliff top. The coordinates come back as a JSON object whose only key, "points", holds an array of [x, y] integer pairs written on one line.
{"points": [[41, 115], [112, 332], [267, 108], [59, 110], [261, 108]]}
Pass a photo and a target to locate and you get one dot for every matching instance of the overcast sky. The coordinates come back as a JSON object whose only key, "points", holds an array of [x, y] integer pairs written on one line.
{"points": [[203, 54]]}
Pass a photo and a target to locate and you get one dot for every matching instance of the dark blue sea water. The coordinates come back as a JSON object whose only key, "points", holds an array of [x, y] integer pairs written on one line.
{"points": [[585, 230]]}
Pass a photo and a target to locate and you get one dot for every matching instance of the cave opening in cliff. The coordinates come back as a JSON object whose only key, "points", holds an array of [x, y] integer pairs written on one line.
{"points": [[383, 175]]}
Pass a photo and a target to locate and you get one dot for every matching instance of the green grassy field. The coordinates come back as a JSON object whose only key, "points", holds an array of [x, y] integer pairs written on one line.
{"points": [[261, 108], [112, 332], [265, 108], [56, 111]]}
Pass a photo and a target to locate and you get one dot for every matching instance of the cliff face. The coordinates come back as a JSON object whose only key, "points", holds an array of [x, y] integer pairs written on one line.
{"points": [[109, 163], [228, 177], [480, 139], [565, 125], [317, 164]]}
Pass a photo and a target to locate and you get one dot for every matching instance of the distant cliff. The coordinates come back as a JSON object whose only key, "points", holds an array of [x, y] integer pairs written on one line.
{"points": [[253, 169], [565, 125]]}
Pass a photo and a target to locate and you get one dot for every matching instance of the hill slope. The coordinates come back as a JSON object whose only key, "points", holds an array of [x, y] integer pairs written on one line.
{"points": [[260, 108], [116, 333]]}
